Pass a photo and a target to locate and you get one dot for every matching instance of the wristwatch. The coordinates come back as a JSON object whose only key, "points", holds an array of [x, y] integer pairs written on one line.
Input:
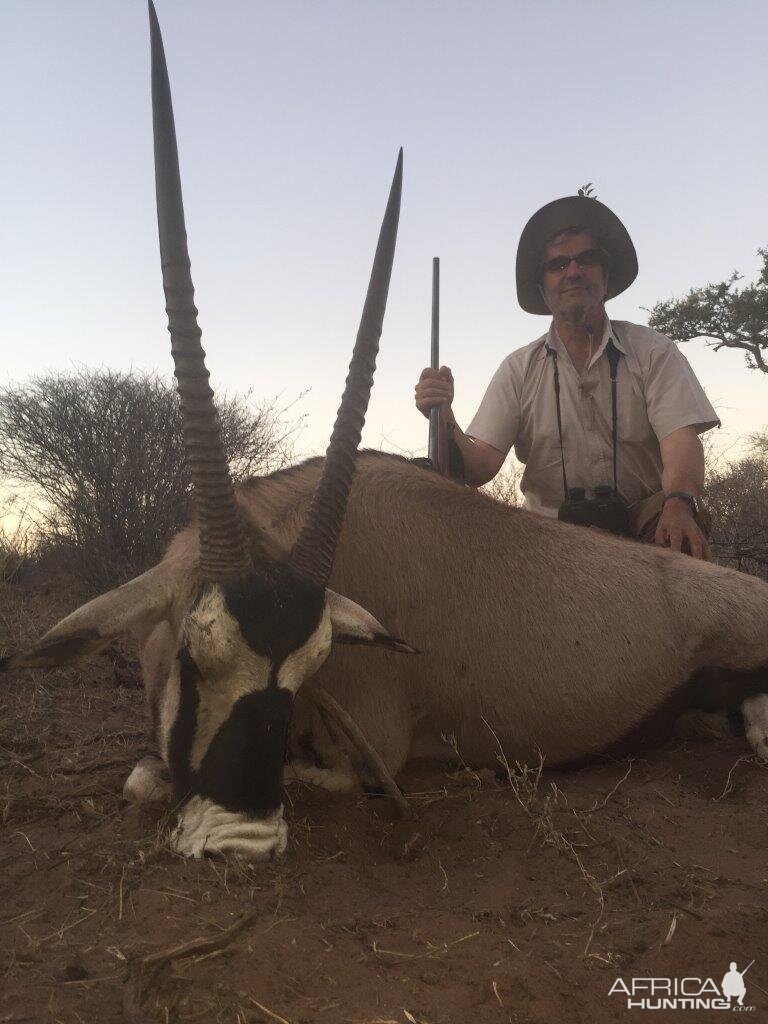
{"points": [[686, 496]]}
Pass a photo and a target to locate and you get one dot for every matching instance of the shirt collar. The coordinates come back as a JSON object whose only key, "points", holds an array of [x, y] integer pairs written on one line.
{"points": [[552, 342]]}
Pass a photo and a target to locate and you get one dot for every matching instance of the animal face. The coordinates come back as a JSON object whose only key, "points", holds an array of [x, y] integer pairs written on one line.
{"points": [[244, 650]]}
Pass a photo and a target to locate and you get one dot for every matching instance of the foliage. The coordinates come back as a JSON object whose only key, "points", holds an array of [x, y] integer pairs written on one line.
{"points": [[731, 317], [737, 498], [100, 455]]}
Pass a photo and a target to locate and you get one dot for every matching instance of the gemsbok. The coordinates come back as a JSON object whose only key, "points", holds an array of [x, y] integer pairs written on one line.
{"points": [[537, 638]]}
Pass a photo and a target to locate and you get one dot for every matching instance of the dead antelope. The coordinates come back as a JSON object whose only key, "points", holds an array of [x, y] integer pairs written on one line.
{"points": [[538, 638], [242, 629]]}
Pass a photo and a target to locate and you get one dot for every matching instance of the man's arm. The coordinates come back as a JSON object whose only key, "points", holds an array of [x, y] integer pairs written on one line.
{"points": [[682, 458], [481, 461]]}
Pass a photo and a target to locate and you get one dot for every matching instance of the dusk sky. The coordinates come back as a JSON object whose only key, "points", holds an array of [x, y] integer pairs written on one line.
{"points": [[289, 117]]}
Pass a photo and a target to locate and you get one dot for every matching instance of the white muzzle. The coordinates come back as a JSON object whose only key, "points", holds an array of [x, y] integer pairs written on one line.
{"points": [[206, 829]]}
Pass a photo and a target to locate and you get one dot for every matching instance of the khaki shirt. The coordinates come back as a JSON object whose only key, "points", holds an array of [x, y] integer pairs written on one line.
{"points": [[657, 393]]}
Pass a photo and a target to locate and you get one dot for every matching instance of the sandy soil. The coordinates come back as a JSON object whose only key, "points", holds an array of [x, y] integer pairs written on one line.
{"points": [[509, 899]]}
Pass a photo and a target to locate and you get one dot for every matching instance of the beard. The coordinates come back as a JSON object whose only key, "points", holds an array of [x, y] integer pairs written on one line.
{"points": [[581, 314], [584, 311]]}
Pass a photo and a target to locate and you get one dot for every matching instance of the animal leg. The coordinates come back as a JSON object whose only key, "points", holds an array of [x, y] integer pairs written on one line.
{"points": [[149, 782], [340, 779], [755, 711], [696, 724]]}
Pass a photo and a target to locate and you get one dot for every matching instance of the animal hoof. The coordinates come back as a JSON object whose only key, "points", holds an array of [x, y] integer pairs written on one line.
{"points": [[755, 711], [207, 830], [148, 782]]}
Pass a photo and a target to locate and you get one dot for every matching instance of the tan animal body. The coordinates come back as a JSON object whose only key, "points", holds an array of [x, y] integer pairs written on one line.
{"points": [[536, 634]]}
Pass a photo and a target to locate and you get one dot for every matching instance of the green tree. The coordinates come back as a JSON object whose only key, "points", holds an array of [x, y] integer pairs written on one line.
{"points": [[729, 316]]}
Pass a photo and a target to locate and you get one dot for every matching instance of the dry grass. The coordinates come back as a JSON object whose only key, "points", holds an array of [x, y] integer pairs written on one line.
{"points": [[525, 877]]}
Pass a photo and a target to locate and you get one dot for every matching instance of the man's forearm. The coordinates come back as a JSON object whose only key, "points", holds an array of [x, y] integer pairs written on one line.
{"points": [[481, 461], [682, 457]]}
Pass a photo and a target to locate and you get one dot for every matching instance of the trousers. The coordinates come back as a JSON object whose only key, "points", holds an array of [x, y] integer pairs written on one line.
{"points": [[644, 518]]}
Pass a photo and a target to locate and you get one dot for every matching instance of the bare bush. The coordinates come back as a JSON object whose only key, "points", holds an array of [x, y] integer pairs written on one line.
{"points": [[17, 541], [505, 486], [737, 497], [100, 455]]}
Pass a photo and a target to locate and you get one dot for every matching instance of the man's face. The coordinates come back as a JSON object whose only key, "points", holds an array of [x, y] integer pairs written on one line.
{"points": [[576, 293]]}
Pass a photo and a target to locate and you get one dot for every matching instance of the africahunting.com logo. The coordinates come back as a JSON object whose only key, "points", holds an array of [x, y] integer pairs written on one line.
{"points": [[685, 993]]}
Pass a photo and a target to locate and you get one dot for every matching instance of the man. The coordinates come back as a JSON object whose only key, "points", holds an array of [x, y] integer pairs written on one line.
{"points": [[553, 399]]}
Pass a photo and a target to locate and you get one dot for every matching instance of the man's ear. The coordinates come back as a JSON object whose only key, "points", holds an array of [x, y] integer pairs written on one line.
{"points": [[354, 625]]}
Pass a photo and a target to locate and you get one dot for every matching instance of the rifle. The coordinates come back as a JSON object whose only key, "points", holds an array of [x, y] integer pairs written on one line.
{"points": [[438, 441]]}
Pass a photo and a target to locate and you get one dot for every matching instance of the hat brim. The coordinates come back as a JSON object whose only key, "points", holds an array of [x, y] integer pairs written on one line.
{"points": [[572, 212]]}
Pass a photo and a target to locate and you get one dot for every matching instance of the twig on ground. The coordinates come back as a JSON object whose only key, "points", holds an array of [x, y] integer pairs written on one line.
{"points": [[604, 802], [672, 930], [728, 787], [96, 766], [143, 972], [269, 1013], [686, 910], [629, 873], [427, 954]]}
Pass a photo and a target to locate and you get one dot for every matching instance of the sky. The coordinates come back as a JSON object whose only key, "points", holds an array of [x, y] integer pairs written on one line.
{"points": [[289, 116]]}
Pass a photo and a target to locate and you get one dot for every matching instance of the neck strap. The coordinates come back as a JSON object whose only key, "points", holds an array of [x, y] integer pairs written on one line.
{"points": [[613, 355]]}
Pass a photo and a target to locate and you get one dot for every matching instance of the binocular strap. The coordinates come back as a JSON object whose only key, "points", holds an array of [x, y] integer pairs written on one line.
{"points": [[613, 361]]}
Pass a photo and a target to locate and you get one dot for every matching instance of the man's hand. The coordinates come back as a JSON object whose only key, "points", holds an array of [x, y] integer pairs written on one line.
{"points": [[435, 387], [679, 531]]}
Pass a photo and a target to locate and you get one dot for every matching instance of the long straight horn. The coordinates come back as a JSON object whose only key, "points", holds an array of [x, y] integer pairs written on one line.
{"points": [[223, 553], [313, 552]]}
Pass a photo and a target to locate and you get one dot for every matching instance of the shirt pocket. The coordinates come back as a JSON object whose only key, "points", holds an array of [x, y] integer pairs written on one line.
{"points": [[633, 424]]}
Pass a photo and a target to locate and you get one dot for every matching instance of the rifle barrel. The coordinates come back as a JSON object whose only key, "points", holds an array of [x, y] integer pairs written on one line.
{"points": [[434, 413]]}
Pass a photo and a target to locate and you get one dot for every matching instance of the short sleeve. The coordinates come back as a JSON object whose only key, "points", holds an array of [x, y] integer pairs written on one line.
{"points": [[673, 395], [497, 421]]}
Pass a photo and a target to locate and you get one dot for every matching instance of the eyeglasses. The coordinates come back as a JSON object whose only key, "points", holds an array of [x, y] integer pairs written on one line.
{"points": [[588, 258]]}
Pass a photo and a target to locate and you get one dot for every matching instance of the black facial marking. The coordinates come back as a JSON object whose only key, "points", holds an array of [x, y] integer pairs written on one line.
{"points": [[276, 610], [183, 732], [243, 767], [242, 770]]}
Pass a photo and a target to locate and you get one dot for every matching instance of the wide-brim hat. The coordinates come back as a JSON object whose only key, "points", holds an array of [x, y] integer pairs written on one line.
{"points": [[572, 212]]}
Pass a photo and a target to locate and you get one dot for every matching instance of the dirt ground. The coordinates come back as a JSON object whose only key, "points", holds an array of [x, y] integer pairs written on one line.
{"points": [[511, 898]]}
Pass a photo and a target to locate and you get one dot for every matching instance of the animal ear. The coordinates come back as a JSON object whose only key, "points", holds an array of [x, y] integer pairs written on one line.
{"points": [[354, 625], [136, 604]]}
